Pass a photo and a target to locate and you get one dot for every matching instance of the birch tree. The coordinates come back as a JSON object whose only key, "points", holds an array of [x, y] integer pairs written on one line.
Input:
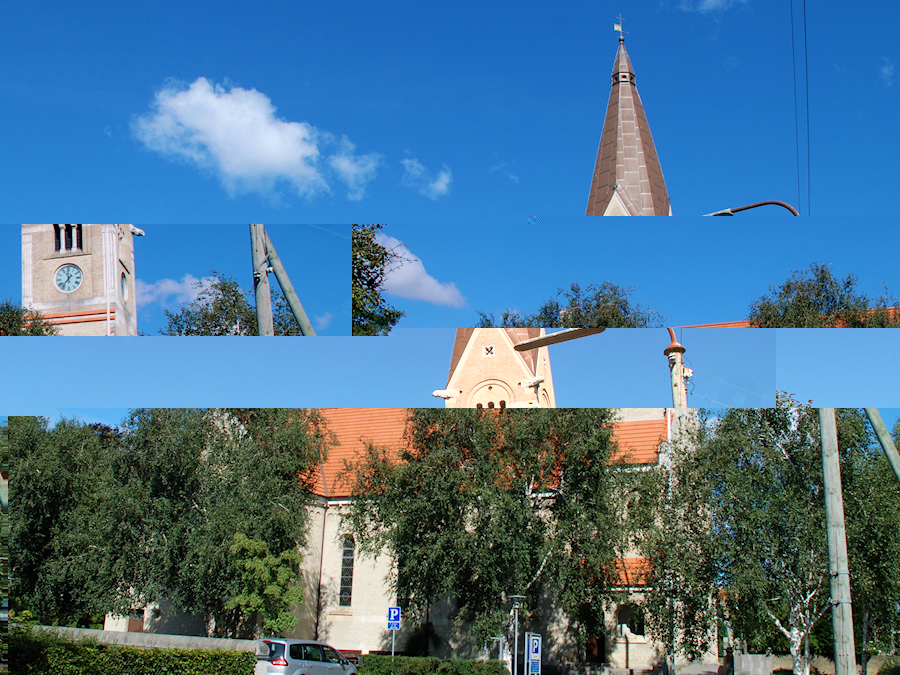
{"points": [[742, 529], [483, 504]]}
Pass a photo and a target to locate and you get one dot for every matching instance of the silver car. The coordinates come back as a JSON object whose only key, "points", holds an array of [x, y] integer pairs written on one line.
{"points": [[281, 656]]}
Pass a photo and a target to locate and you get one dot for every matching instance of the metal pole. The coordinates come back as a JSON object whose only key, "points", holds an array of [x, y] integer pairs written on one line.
{"points": [[885, 439], [393, 639], [841, 610], [516, 641], [287, 288], [261, 281]]}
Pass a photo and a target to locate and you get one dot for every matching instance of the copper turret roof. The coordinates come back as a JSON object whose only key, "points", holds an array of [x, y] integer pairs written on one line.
{"points": [[628, 179]]}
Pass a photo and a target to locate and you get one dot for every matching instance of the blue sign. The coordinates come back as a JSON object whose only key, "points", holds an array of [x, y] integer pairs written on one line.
{"points": [[393, 618], [534, 653], [534, 647]]}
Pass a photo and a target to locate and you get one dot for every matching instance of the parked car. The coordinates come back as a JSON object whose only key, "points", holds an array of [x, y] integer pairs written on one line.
{"points": [[282, 656]]}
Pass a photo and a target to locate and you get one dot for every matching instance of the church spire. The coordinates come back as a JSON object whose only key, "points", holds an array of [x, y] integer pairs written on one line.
{"points": [[628, 179]]}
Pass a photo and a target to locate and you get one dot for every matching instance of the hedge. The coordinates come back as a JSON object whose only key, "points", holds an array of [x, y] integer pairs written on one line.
{"points": [[890, 667], [427, 665], [38, 653]]}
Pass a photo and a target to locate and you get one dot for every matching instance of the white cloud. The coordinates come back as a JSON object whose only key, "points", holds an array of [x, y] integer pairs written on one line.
{"points": [[887, 71], [168, 291], [704, 6], [234, 134], [322, 322], [410, 280], [503, 167], [417, 176]]}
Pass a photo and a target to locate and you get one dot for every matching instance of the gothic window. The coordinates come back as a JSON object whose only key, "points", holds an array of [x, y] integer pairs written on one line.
{"points": [[347, 571]]}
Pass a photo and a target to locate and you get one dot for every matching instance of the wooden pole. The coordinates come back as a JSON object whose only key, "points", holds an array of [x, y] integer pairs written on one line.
{"points": [[263, 296], [838, 566]]}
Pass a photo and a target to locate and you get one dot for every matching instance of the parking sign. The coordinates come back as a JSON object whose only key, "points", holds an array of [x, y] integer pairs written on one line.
{"points": [[534, 654], [393, 618]]}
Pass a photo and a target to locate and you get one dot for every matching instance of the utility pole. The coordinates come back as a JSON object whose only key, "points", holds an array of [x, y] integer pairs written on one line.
{"points": [[265, 258], [885, 439], [838, 566], [677, 372], [517, 602], [263, 295]]}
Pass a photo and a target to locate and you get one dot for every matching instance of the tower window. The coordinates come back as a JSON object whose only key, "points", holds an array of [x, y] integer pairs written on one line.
{"points": [[56, 238], [79, 243], [68, 237], [347, 571]]}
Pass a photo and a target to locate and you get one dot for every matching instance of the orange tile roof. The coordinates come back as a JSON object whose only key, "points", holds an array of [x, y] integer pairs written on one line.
{"points": [[354, 428], [639, 441], [632, 571], [723, 324]]}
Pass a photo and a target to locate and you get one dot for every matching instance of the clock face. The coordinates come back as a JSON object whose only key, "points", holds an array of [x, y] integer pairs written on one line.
{"points": [[68, 278]]}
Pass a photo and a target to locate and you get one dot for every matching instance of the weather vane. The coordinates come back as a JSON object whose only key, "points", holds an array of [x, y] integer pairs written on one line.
{"points": [[618, 27]]}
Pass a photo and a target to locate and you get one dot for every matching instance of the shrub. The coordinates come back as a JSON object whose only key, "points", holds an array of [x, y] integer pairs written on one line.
{"points": [[890, 667], [428, 665], [39, 653]]}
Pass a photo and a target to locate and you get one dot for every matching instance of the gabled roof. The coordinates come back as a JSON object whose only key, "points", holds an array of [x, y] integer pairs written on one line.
{"points": [[516, 335], [355, 428], [627, 175]]}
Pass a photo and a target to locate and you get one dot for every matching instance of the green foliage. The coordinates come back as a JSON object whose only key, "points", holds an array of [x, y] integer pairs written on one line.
{"points": [[484, 504], [269, 584], [222, 307], [118, 519], [41, 653], [889, 667], [741, 531], [373, 664], [371, 313], [15, 320], [815, 298], [606, 305]]}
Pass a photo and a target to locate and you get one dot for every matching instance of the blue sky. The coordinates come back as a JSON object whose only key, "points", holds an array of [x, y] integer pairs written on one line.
{"points": [[171, 260], [690, 270], [408, 113]]}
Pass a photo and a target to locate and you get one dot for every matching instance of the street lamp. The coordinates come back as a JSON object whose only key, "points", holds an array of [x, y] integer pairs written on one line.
{"points": [[774, 202], [517, 602]]}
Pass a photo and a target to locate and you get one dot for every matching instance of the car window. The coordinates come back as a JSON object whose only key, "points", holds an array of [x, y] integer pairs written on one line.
{"points": [[296, 652], [314, 652], [332, 656], [271, 651]]}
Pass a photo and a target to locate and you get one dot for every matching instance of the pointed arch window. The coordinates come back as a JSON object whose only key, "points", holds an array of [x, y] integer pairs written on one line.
{"points": [[349, 550]]}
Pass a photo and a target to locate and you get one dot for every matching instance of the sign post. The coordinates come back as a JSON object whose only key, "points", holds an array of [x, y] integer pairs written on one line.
{"points": [[533, 653], [393, 626]]}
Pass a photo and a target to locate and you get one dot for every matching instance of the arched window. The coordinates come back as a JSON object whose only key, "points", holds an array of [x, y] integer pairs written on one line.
{"points": [[491, 404], [502, 404], [347, 571]]}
